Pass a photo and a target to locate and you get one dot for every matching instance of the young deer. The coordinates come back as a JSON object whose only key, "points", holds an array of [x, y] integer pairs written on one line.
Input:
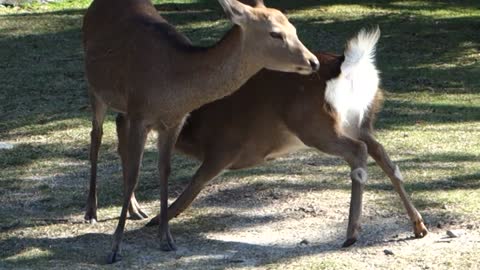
{"points": [[275, 113], [139, 65]]}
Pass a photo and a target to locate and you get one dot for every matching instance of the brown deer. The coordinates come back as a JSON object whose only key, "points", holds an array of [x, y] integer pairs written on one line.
{"points": [[275, 113], [138, 65]]}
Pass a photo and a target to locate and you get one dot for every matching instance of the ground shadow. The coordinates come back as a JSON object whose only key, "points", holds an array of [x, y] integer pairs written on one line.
{"points": [[61, 195], [196, 249]]}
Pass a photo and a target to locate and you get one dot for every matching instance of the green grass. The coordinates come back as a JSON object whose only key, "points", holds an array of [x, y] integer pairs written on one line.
{"points": [[429, 57]]}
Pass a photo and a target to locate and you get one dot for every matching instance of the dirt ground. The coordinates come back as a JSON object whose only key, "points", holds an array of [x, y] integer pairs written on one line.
{"points": [[264, 218]]}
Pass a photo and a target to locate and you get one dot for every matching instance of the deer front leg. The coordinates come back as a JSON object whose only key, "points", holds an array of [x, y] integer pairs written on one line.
{"points": [[377, 151], [137, 135], [134, 209], [98, 109]]}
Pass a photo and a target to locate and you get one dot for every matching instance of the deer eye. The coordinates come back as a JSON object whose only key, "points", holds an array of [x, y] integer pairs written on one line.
{"points": [[276, 35]]}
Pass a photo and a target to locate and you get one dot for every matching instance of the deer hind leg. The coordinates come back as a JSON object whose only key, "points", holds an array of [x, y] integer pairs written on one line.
{"points": [[210, 168], [99, 110], [134, 209], [355, 153], [377, 152], [137, 134]]}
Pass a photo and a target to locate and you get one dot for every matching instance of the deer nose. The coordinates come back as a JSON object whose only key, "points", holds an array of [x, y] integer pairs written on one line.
{"points": [[314, 64]]}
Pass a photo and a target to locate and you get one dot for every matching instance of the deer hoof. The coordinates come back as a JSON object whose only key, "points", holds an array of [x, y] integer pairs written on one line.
{"points": [[90, 219], [138, 215], [349, 242], [419, 229], [168, 244], [153, 222], [114, 257], [135, 212]]}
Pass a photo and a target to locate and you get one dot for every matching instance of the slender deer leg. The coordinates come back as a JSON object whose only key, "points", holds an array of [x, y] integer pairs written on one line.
{"points": [[210, 168], [377, 151], [166, 142], [355, 153], [359, 178], [137, 134], [122, 132], [98, 109]]}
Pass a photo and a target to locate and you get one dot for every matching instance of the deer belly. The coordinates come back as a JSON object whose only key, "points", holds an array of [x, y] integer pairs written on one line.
{"points": [[112, 99], [289, 144], [259, 150]]}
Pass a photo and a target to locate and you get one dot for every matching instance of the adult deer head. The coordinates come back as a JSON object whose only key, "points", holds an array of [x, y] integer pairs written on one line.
{"points": [[270, 37]]}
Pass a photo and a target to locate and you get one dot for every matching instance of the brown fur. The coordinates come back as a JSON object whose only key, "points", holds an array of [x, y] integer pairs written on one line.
{"points": [[252, 120]]}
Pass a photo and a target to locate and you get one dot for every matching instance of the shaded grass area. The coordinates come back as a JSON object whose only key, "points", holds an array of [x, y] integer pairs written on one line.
{"points": [[429, 56]]}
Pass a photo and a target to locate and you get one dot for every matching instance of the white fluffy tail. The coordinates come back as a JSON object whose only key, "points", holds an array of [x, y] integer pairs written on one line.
{"points": [[352, 93], [361, 49]]}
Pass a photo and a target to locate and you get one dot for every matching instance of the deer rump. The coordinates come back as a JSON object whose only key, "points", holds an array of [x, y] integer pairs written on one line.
{"points": [[276, 113]]}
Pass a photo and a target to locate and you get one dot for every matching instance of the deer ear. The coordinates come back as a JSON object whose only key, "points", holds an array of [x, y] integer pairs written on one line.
{"points": [[235, 11]]}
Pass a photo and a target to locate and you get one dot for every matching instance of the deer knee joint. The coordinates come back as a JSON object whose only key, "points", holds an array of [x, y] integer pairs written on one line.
{"points": [[359, 175]]}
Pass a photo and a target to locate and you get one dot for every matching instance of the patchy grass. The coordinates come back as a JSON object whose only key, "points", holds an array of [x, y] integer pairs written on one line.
{"points": [[429, 57]]}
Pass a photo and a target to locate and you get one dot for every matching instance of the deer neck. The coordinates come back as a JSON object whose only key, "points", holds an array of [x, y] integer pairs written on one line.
{"points": [[220, 70]]}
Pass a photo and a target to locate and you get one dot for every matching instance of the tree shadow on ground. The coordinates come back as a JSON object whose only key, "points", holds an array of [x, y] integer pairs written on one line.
{"points": [[405, 113], [196, 249], [55, 61], [61, 195]]}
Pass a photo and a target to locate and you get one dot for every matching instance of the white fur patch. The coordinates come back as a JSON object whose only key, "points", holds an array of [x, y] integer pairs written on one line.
{"points": [[359, 175], [353, 91], [398, 174]]}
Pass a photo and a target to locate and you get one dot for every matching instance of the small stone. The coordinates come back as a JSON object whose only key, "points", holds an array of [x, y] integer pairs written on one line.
{"points": [[274, 195], [470, 226], [388, 252], [454, 233], [439, 225], [304, 242]]}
